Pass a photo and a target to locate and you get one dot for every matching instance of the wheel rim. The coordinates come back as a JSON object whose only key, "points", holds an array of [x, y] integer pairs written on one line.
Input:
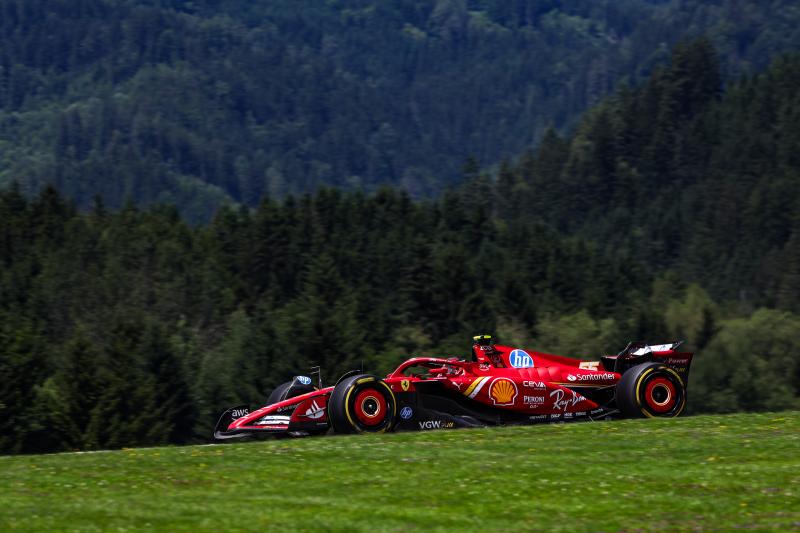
{"points": [[660, 395], [370, 407]]}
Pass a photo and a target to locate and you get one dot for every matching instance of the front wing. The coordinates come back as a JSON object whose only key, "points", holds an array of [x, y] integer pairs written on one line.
{"points": [[302, 415]]}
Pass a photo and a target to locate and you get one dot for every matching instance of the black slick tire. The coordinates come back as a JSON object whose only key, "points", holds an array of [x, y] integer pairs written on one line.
{"points": [[362, 404], [651, 390]]}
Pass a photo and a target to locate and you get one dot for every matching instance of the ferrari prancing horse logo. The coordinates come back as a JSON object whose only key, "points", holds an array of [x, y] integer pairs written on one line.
{"points": [[405, 384]]}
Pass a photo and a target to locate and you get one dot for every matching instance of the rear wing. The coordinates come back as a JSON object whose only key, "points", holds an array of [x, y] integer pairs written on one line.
{"points": [[642, 348], [636, 353]]}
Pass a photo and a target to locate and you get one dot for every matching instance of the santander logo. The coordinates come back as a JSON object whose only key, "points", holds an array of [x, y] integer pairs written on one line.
{"points": [[600, 376]]}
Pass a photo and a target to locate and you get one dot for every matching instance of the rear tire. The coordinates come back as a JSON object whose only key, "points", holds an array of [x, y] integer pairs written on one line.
{"points": [[362, 404], [651, 390]]}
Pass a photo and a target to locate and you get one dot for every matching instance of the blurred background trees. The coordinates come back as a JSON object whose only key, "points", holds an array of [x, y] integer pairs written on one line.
{"points": [[201, 103], [669, 211]]}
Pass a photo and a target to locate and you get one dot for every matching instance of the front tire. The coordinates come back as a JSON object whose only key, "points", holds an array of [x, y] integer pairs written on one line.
{"points": [[362, 404], [651, 390]]}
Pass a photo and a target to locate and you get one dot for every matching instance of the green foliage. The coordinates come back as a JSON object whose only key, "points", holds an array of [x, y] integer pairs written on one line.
{"points": [[694, 317], [660, 217], [21, 368], [74, 391], [577, 335], [684, 178], [205, 103], [751, 364], [155, 327]]}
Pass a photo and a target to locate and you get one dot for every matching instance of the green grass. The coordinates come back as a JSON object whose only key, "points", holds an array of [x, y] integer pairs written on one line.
{"points": [[694, 473]]}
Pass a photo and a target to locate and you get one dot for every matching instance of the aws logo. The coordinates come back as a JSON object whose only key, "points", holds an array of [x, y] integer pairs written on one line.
{"points": [[239, 413], [503, 391]]}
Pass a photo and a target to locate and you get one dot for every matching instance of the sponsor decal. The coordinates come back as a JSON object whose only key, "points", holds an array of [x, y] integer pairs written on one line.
{"points": [[596, 411], [454, 370], [662, 347], [654, 348], [580, 413], [315, 411], [239, 413], [405, 384], [484, 366], [563, 400], [555, 416], [273, 420], [533, 400], [520, 359], [503, 391], [673, 361], [476, 386], [537, 417], [486, 348], [601, 376], [589, 365], [305, 380], [436, 424], [536, 385], [406, 413]]}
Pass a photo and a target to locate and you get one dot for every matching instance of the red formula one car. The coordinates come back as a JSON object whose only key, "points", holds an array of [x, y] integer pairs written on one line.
{"points": [[500, 385]]}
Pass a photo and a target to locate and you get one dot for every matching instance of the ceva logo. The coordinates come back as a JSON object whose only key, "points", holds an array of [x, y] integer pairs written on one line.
{"points": [[520, 359]]}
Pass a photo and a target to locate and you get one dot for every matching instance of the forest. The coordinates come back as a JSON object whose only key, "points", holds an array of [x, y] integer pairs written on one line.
{"points": [[204, 103], [671, 211]]}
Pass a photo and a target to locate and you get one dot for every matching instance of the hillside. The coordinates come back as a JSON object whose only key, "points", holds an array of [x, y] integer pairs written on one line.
{"points": [[696, 473], [683, 176], [632, 228], [202, 102]]}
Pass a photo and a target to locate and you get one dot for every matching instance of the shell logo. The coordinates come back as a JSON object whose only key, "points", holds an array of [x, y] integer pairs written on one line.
{"points": [[503, 391]]}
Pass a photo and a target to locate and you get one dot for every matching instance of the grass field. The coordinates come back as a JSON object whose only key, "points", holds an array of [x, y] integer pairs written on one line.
{"points": [[695, 473]]}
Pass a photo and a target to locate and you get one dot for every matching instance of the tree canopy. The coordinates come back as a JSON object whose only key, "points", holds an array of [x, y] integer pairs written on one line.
{"points": [[671, 212], [203, 102]]}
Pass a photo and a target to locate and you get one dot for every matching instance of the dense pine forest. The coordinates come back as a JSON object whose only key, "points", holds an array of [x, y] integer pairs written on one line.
{"points": [[205, 102], [671, 212]]}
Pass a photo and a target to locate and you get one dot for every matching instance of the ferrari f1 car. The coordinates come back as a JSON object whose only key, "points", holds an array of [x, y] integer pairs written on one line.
{"points": [[499, 385]]}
